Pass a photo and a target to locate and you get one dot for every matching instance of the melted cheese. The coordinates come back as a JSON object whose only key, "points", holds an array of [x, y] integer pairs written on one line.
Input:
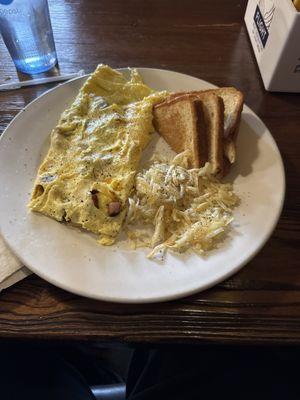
{"points": [[95, 151]]}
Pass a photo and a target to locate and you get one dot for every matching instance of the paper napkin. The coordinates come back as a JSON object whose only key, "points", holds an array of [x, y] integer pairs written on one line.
{"points": [[11, 269]]}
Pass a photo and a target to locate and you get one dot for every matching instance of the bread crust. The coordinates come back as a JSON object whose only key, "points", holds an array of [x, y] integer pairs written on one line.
{"points": [[202, 132]]}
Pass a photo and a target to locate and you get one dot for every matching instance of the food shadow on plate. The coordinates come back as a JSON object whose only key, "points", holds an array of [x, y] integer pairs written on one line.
{"points": [[247, 148], [157, 149]]}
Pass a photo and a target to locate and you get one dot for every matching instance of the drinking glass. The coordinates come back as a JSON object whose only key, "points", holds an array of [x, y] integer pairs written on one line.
{"points": [[26, 30]]}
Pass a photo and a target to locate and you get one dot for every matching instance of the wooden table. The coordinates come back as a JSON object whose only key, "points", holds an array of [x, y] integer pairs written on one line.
{"points": [[207, 39]]}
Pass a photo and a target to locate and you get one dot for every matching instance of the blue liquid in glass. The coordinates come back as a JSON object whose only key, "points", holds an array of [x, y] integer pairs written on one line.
{"points": [[26, 30]]}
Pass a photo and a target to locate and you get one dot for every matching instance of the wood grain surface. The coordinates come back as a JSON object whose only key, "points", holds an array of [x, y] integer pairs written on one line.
{"points": [[207, 39]]}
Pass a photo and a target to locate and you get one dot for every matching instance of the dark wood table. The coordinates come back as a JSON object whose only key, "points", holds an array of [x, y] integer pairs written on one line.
{"points": [[207, 39]]}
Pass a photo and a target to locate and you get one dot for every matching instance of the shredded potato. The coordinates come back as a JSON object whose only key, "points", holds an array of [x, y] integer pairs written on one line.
{"points": [[184, 208]]}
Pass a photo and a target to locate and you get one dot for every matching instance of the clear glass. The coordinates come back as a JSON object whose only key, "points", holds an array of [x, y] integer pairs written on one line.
{"points": [[26, 30]]}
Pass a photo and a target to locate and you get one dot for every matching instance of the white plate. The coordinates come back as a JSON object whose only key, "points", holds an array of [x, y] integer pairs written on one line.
{"points": [[73, 260]]}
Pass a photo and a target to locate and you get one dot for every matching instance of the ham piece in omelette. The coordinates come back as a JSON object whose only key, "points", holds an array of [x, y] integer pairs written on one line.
{"points": [[88, 173]]}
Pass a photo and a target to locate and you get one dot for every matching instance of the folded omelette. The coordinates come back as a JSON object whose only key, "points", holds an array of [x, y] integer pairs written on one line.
{"points": [[88, 173]]}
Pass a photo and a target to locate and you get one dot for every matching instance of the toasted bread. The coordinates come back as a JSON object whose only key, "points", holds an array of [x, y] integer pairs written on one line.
{"points": [[213, 116], [233, 103], [204, 120], [177, 122]]}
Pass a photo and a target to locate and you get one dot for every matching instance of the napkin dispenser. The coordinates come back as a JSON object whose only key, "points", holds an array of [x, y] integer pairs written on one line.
{"points": [[274, 30]]}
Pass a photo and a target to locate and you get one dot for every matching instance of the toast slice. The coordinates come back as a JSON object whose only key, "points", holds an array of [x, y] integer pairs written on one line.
{"points": [[214, 121], [177, 122], [191, 120], [233, 101], [233, 104]]}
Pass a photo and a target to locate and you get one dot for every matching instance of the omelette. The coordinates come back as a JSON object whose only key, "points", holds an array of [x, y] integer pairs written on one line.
{"points": [[89, 171]]}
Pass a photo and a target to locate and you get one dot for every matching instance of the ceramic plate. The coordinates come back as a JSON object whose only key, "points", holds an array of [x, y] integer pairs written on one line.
{"points": [[71, 258]]}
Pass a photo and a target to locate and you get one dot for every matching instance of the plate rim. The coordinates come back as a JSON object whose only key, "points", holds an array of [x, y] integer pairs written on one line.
{"points": [[178, 294]]}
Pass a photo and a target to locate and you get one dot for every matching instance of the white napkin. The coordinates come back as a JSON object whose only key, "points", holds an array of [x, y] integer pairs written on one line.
{"points": [[11, 269]]}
